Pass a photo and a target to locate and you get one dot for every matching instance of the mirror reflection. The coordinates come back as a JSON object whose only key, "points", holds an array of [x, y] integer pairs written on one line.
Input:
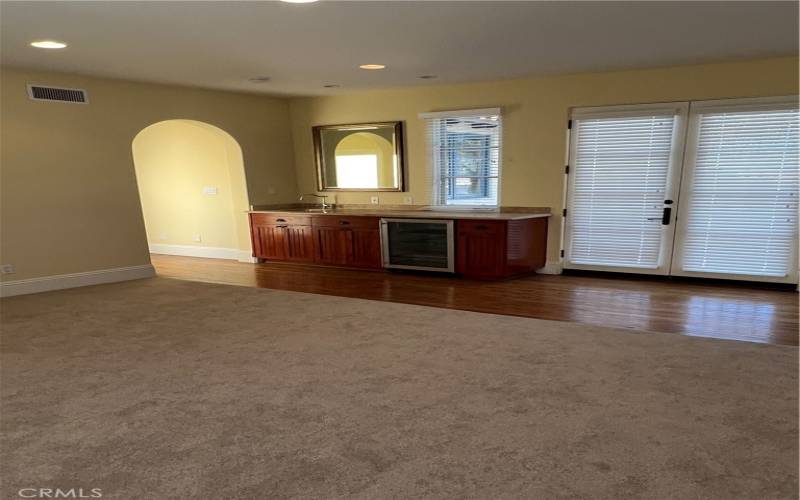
{"points": [[359, 157]]}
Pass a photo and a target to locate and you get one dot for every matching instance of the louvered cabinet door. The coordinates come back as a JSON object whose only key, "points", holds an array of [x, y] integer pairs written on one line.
{"points": [[481, 249], [268, 242], [364, 248], [299, 242], [330, 246]]}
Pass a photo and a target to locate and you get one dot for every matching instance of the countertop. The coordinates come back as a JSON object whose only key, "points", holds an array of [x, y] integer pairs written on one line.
{"points": [[515, 213]]}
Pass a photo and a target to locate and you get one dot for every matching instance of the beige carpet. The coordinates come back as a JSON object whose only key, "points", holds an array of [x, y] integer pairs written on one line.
{"points": [[162, 389]]}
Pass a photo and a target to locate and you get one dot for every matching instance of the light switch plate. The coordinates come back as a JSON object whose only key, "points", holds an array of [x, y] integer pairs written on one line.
{"points": [[373, 200], [210, 190], [7, 269], [407, 200], [196, 238]]}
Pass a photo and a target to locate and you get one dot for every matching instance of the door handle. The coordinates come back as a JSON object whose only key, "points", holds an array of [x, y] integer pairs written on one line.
{"points": [[666, 216]]}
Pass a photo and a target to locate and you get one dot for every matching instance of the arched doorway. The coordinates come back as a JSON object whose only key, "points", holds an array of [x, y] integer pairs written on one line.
{"points": [[193, 190]]}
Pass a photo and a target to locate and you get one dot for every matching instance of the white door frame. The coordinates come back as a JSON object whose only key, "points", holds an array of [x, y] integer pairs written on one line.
{"points": [[671, 191], [721, 105]]}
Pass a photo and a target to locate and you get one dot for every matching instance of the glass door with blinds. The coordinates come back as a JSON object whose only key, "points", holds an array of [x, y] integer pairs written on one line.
{"points": [[739, 191], [623, 177], [735, 214]]}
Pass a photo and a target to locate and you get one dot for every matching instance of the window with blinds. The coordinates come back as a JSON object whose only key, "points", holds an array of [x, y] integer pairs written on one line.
{"points": [[465, 156], [619, 170], [739, 194]]}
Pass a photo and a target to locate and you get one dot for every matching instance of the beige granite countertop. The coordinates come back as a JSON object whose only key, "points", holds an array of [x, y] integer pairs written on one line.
{"points": [[505, 213]]}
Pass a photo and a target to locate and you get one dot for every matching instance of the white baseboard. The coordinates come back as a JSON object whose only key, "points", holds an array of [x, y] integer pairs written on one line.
{"points": [[198, 251], [62, 281], [551, 268]]}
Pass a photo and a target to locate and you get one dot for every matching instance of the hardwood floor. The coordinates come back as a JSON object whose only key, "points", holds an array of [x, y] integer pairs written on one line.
{"points": [[719, 310]]}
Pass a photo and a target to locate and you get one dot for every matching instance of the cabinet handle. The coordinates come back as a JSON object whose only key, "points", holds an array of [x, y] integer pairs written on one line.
{"points": [[280, 220], [481, 228], [284, 226], [344, 222]]}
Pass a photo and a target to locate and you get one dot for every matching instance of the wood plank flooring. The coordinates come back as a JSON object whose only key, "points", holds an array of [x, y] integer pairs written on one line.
{"points": [[718, 310]]}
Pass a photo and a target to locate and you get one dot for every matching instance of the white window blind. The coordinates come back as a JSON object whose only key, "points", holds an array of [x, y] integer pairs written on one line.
{"points": [[619, 173], [465, 149], [741, 199]]}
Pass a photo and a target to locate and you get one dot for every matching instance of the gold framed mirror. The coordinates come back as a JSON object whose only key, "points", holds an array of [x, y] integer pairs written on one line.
{"points": [[359, 156]]}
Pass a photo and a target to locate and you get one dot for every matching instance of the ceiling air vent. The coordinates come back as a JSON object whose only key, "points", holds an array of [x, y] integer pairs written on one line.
{"points": [[57, 94]]}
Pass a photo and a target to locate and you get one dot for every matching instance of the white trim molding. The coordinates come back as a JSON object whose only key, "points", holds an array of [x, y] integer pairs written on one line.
{"points": [[74, 280], [551, 268], [462, 113], [205, 252]]}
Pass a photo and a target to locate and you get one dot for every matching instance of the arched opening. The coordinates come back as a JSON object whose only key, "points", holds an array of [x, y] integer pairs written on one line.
{"points": [[193, 190]]}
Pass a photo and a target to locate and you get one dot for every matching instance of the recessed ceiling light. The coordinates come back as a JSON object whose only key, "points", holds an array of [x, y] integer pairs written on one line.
{"points": [[331, 86], [299, 1], [372, 66], [259, 79], [48, 44], [428, 77]]}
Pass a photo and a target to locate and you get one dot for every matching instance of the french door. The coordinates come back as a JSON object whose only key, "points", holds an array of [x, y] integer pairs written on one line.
{"points": [[624, 173], [706, 189]]}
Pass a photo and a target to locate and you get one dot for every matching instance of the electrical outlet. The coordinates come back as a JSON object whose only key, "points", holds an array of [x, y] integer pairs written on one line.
{"points": [[271, 190], [163, 236], [373, 200], [7, 269], [196, 238], [210, 190], [407, 200]]}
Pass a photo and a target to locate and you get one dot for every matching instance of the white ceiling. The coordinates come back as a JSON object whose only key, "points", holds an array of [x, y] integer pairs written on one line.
{"points": [[305, 46]]}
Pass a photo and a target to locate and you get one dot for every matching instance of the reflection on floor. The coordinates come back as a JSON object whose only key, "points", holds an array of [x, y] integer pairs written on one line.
{"points": [[709, 310]]}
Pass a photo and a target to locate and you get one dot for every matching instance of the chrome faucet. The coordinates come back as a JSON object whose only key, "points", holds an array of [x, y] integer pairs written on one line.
{"points": [[324, 205]]}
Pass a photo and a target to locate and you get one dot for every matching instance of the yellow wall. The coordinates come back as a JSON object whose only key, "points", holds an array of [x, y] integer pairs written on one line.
{"points": [[535, 113], [68, 196], [174, 161]]}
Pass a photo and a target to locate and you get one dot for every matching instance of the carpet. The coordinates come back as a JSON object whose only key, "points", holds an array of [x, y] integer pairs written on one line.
{"points": [[160, 389]]}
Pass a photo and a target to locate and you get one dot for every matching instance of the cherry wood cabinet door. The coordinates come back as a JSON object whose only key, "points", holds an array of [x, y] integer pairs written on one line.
{"points": [[330, 246], [365, 248], [268, 242], [344, 246], [299, 243], [480, 249]]}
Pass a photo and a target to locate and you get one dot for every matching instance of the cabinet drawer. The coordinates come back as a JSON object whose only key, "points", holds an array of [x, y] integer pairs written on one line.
{"points": [[488, 227], [294, 220], [357, 222]]}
